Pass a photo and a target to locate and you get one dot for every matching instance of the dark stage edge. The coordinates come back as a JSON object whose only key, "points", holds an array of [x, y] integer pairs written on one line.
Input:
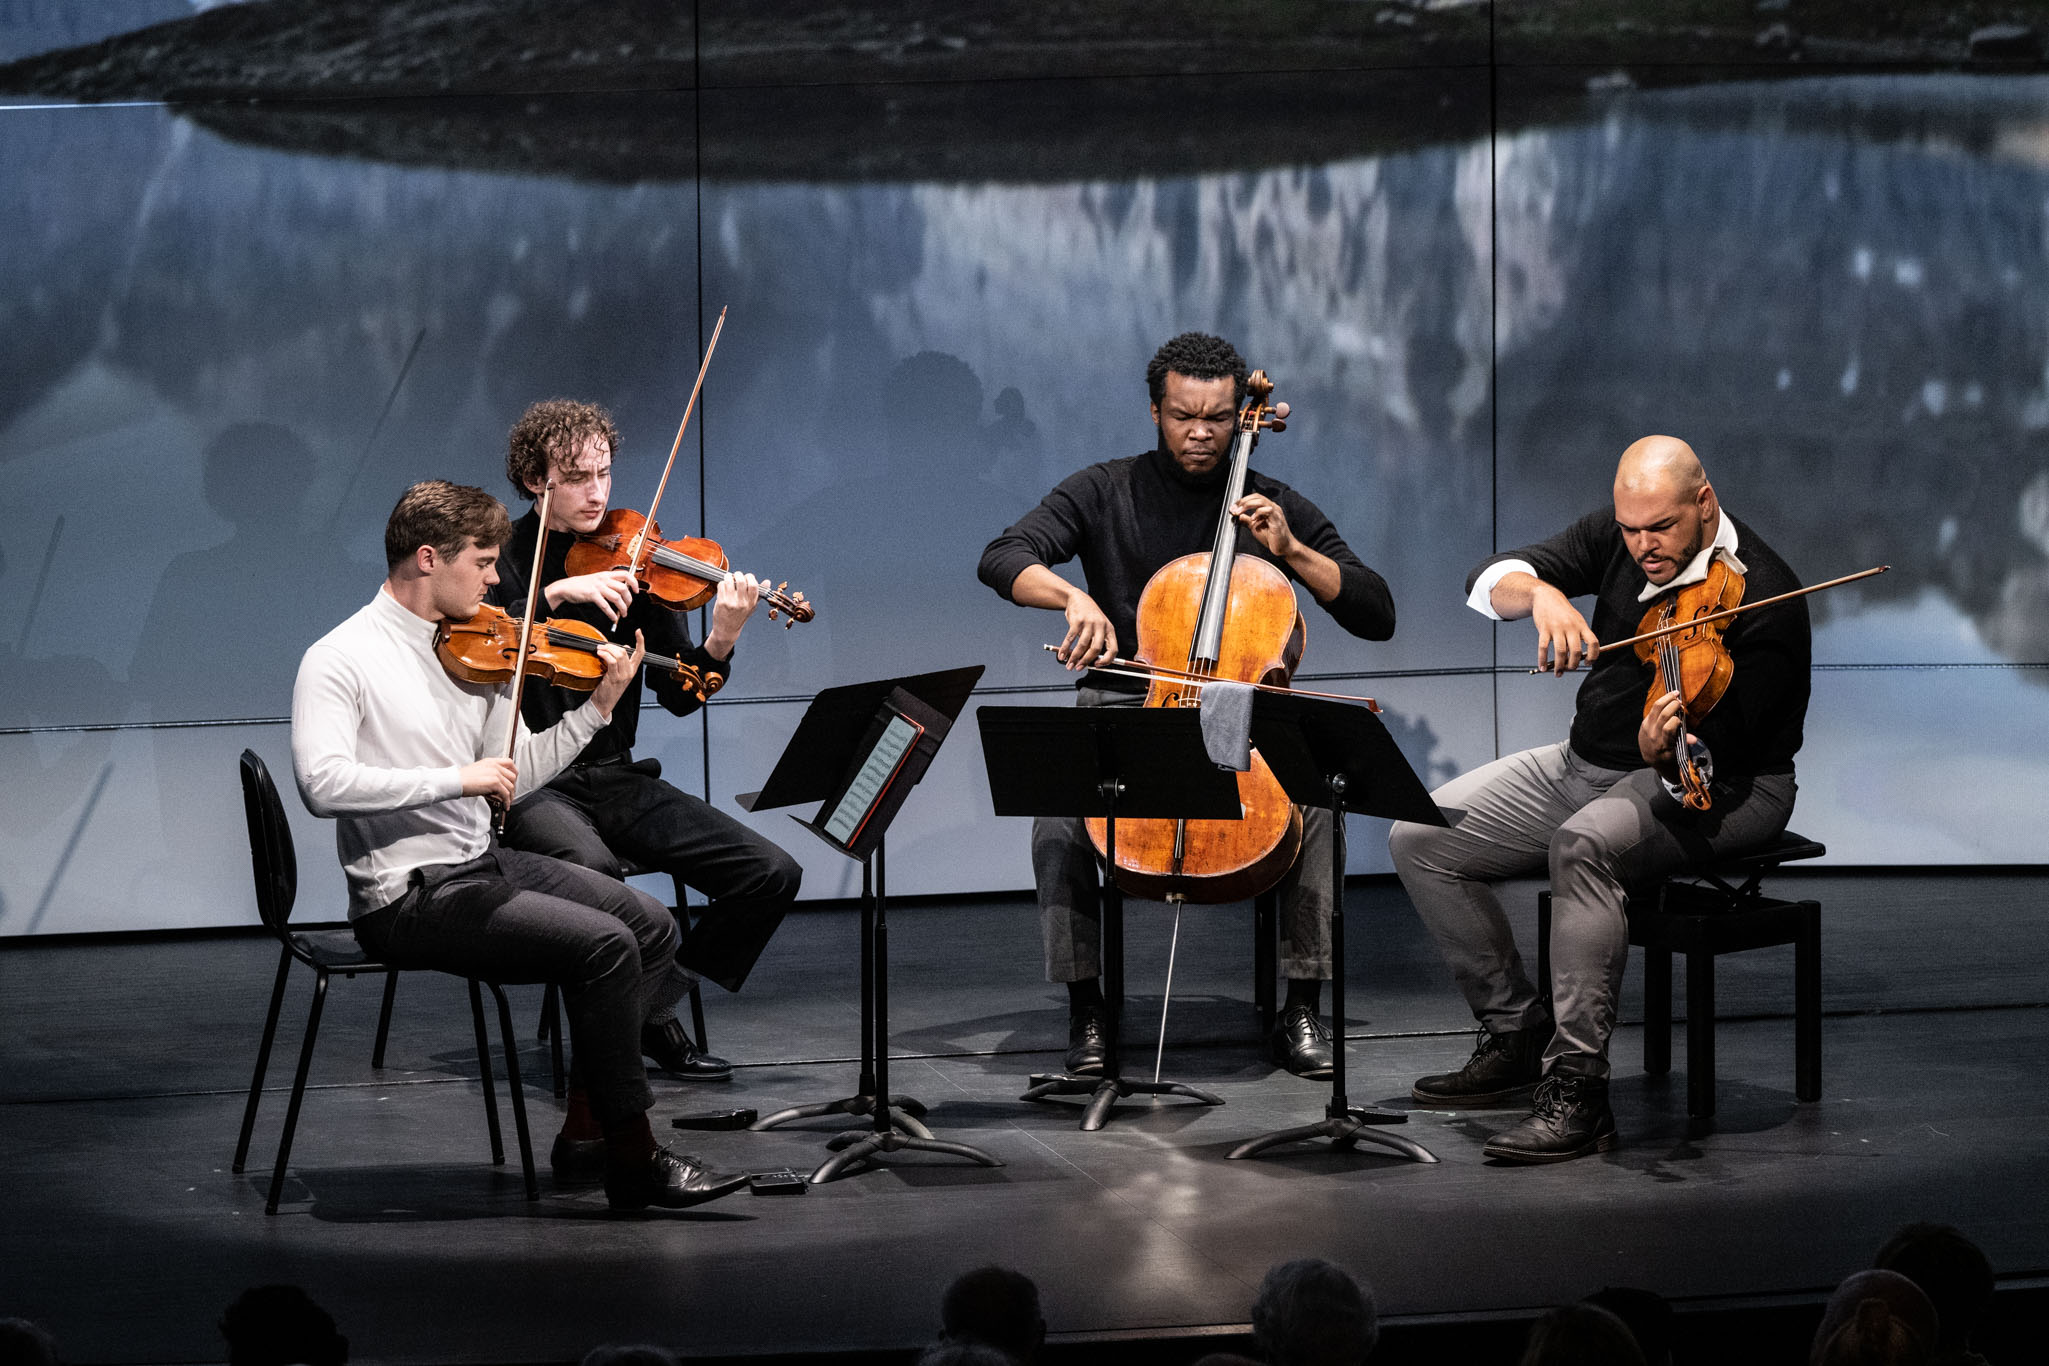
{"points": [[122, 1067]]}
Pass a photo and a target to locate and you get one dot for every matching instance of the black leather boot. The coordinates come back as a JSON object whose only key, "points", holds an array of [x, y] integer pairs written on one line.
{"points": [[1503, 1070], [1570, 1119]]}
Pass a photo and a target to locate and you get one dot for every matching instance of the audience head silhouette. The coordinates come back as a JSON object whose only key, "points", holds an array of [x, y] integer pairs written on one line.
{"points": [[965, 1354], [1312, 1313], [995, 1306], [1951, 1271], [628, 1354], [23, 1343], [1645, 1313], [1581, 1335], [1875, 1318], [280, 1325]]}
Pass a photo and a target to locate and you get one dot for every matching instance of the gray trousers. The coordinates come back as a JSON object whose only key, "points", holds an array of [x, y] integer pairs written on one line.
{"points": [[1597, 831], [1070, 904]]}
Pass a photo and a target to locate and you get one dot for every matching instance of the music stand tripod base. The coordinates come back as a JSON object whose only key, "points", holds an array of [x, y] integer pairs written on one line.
{"points": [[1117, 763], [1104, 1092], [861, 748], [904, 1113], [1345, 1132], [857, 1146], [1342, 759]]}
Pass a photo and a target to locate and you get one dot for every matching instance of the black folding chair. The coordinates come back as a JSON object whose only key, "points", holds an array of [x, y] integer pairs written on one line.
{"points": [[327, 952]]}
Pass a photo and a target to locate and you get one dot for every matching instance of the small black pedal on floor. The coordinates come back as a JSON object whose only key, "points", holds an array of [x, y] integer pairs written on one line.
{"points": [[781, 1181], [715, 1119]]}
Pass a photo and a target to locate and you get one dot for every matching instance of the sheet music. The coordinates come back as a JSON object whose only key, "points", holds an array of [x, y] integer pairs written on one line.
{"points": [[876, 769]]}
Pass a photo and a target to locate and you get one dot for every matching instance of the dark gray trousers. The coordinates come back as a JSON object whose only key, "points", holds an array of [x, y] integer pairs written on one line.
{"points": [[1597, 831], [515, 917]]}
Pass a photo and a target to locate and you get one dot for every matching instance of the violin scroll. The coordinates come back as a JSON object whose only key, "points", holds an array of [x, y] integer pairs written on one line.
{"points": [[792, 605]]}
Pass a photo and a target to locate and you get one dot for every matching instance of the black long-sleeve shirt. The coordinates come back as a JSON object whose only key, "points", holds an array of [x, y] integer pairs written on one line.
{"points": [[1756, 727], [1126, 519], [664, 631]]}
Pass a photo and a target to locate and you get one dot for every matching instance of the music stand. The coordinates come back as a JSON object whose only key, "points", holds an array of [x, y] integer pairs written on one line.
{"points": [[1108, 762], [1337, 755], [859, 750]]}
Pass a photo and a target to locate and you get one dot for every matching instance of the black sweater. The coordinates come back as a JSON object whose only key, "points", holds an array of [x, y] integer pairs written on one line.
{"points": [[1127, 518], [664, 631], [1756, 727]]}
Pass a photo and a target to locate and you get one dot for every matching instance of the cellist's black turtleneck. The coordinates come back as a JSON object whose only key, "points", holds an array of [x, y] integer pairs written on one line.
{"points": [[1124, 519]]}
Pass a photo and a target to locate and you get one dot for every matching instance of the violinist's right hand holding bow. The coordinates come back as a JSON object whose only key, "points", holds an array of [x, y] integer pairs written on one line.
{"points": [[492, 779], [1564, 640], [611, 591]]}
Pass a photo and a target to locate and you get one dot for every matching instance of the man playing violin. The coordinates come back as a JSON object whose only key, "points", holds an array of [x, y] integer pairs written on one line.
{"points": [[605, 807], [403, 756], [1125, 519], [1602, 811]]}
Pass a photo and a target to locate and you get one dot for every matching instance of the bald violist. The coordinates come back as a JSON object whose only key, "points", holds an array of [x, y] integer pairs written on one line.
{"points": [[1601, 811]]}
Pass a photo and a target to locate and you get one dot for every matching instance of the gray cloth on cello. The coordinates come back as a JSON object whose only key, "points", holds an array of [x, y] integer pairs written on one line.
{"points": [[1227, 724]]}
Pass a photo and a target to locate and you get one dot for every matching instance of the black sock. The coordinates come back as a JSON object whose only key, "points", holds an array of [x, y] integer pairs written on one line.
{"points": [[1087, 994], [1304, 991]]}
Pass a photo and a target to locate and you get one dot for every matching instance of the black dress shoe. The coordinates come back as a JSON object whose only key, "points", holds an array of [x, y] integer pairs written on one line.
{"points": [[667, 1180], [1503, 1070], [673, 1052], [577, 1160], [1301, 1043], [1571, 1118], [1088, 1042]]}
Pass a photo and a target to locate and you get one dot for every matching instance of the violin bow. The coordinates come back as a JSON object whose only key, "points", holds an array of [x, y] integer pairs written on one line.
{"points": [[526, 636], [640, 537], [1131, 668], [1712, 617]]}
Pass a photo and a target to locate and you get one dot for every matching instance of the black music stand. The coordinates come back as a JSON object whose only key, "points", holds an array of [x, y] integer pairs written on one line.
{"points": [[1339, 756], [1108, 762], [836, 756]]}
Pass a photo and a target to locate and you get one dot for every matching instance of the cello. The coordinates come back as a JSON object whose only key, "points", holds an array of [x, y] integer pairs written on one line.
{"points": [[1217, 616]]}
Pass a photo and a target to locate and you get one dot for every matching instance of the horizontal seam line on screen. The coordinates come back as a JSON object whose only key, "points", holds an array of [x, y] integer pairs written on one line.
{"points": [[1364, 1037], [1046, 688]]}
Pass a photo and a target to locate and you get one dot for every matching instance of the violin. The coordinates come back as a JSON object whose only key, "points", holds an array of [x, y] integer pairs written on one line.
{"points": [[680, 574], [562, 651], [1216, 615], [1688, 657]]}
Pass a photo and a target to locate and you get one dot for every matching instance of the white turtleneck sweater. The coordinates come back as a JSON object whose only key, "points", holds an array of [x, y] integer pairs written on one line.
{"points": [[380, 734]]}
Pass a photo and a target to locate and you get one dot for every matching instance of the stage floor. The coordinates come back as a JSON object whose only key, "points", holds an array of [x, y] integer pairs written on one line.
{"points": [[123, 1068]]}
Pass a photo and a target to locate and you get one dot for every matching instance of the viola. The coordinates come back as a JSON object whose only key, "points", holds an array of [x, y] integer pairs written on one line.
{"points": [[1216, 616], [1688, 657], [561, 651], [680, 574]]}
